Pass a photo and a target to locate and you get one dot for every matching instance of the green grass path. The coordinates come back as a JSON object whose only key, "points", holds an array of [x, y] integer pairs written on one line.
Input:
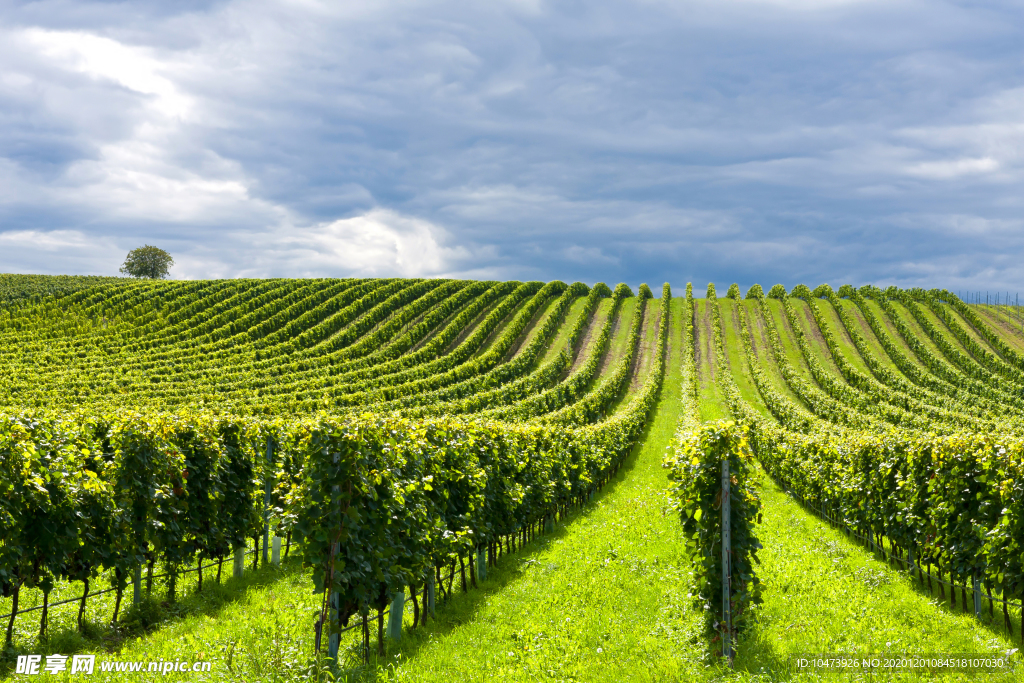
{"points": [[606, 597], [603, 598], [824, 593]]}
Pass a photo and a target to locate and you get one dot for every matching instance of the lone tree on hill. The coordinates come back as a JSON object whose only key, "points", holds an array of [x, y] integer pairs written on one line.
{"points": [[147, 261]]}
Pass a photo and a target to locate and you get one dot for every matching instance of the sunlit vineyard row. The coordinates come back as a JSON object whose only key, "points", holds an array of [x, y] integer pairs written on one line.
{"points": [[169, 422], [894, 415]]}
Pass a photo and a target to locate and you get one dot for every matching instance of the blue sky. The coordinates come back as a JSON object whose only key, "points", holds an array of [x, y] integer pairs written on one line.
{"points": [[728, 140]]}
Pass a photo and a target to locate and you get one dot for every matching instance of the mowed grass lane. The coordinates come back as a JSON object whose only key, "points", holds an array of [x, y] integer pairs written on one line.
{"points": [[603, 598]]}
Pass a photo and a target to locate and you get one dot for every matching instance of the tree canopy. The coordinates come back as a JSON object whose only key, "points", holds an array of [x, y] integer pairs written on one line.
{"points": [[147, 262]]}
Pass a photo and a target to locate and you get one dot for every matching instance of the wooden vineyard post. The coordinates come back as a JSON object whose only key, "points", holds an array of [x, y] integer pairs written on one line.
{"points": [[726, 624], [395, 615]]}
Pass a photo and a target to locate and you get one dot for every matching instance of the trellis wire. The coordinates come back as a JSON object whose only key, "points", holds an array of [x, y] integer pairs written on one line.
{"points": [[387, 610], [106, 590]]}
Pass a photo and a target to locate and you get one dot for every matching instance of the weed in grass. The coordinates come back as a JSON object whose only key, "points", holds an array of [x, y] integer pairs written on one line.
{"points": [[872, 578]]}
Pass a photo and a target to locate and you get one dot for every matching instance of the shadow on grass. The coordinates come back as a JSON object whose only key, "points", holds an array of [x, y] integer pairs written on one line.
{"points": [[147, 617], [993, 623], [757, 654]]}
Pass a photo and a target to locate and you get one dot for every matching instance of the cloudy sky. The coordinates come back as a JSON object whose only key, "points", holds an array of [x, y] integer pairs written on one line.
{"points": [[727, 140]]}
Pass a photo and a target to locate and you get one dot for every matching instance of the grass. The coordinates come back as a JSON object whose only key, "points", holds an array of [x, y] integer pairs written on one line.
{"points": [[788, 341], [260, 628], [644, 362], [846, 348], [813, 336], [711, 405], [867, 334], [617, 342], [1005, 322], [969, 328], [737, 356], [826, 593], [646, 349], [947, 334], [556, 345], [590, 333], [62, 619], [710, 402], [534, 327], [601, 599], [765, 355], [911, 322], [587, 605], [892, 332], [254, 622]]}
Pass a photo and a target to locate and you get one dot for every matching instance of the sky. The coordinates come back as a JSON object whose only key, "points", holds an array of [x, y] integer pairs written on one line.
{"points": [[792, 141]]}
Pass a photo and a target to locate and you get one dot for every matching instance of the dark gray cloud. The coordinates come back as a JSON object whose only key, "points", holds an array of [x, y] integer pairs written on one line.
{"points": [[752, 141]]}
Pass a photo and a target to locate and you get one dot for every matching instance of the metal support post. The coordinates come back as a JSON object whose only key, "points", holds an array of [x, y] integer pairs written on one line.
{"points": [[335, 638], [430, 593], [726, 574], [481, 563], [977, 595], [137, 585], [239, 562], [275, 555], [395, 615], [266, 498]]}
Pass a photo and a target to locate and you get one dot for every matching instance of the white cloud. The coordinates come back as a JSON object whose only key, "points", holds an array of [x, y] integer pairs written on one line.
{"points": [[156, 171], [952, 168], [135, 179], [129, 66], [379, 243], [52, 241]]}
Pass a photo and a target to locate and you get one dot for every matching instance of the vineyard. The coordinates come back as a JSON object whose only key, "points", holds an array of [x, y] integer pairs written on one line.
{"points": [[523, 478]]}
